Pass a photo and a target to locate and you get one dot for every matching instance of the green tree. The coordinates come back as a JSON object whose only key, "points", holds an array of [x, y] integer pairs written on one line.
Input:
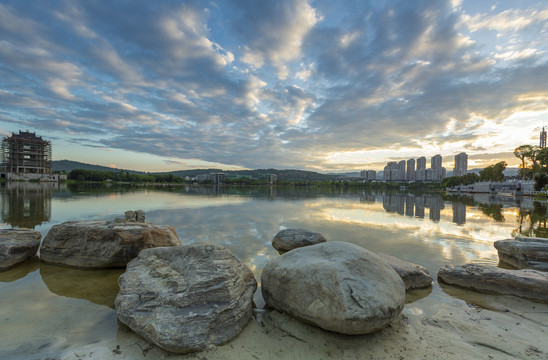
{"points": [[493, 172], [532, 154], [521, 153], [542, 158], [541, 180]]}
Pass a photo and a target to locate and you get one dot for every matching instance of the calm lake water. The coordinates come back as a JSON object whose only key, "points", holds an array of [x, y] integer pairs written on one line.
{"points": [[45, 309]]}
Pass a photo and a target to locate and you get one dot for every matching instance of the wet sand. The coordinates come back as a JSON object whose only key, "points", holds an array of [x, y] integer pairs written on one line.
{"points": [[480, 327]]}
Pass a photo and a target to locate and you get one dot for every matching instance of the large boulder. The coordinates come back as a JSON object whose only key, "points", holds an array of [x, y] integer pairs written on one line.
{"points": [[290, 239], [414, 276], [17, 245], [186, 298], [335, 285], [524, 252], [531, 284], [102, 244]]}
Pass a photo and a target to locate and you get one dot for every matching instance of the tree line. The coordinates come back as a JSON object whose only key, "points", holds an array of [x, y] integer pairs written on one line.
{"points": [[122, 176], [534, 164], [493, 172]]}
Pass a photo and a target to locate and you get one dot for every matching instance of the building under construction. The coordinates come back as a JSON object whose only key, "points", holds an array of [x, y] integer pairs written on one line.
{"points": [[26, 156]]}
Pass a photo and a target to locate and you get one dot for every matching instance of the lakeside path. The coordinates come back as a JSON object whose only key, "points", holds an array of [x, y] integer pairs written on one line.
{"points": [[483, 327]]}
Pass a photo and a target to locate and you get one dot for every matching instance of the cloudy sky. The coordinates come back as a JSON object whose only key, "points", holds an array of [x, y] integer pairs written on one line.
{"points": [[316, 85]]}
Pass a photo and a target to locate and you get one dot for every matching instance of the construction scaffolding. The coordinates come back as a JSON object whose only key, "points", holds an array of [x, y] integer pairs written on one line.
{"points": [[26, 153]]}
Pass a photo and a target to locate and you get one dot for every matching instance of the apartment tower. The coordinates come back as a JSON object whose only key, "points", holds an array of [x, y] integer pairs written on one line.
{"points": [[461, 165]]}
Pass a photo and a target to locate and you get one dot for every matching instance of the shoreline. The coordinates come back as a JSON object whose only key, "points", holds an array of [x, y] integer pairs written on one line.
{"points": [[484, 327]]}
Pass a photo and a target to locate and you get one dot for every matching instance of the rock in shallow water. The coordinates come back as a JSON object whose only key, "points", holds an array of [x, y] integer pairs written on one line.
{"points": [[524, 252], [531, 284], [335, 285], [186, 298], [102, 244], [414, 276], [17, 245], [289, 239]]}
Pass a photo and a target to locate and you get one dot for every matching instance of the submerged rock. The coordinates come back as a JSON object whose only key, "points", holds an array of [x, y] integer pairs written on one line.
{"points": [[335, 285], [17, 245], [531, 284], [289, 239], [414, 276], [101, 244], [186, 298], [524, 252]]}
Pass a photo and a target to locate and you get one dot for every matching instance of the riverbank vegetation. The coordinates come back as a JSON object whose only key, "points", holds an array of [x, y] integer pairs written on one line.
{"points": [[534, 164]]}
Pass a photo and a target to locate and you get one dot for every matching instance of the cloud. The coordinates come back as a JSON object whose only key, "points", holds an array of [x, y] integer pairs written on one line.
{"points": [[510, 20], [274, 31], [260, 84]]}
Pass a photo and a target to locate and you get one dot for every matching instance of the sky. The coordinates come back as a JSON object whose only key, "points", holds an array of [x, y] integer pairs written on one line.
{"points": [[327, 86]]}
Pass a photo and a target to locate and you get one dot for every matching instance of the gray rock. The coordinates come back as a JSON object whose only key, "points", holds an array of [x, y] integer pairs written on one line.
{"points": [[335, 285], [186, 298], [102, 244], [289, 239], [129, 215], [531, 284], [140, 216], [17, 246], [524, 252], [414, 276]]}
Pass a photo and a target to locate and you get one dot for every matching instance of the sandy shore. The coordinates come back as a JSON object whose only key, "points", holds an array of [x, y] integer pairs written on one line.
{"points": [[480, 327]]}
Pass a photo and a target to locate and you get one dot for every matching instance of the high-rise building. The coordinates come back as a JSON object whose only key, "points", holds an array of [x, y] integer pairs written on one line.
{"points": [[461, 165], [391, 172], [436, 161], [421, 163], [420, 173], [543, 138], [438, 172], [368, 174], [410, 175], [401, 169]]}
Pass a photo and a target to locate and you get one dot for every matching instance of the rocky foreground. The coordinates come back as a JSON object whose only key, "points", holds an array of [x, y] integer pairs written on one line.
{"points": [[337, 286], [524, 252], [104, 244], [480, 327], [186, 298], [17, 246], [198, 297], [530, 284]]}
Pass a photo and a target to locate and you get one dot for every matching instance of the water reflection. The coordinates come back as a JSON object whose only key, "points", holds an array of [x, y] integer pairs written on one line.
{"points": [[27, 205], [49, 309], [532, 222], [100, 286], [413, 204], [20, 271], [532, 214]]}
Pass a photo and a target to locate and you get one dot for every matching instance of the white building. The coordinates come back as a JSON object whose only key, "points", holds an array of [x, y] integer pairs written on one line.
{"points": [[461, 165]]}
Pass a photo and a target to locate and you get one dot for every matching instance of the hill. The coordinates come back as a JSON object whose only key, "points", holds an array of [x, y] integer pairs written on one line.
{"points": [[283, 175], [69, 165]]}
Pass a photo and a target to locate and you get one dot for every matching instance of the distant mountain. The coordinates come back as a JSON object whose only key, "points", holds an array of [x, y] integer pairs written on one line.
{"points": [[283, 175], [347, 174], [69, 165], [507, 172]]}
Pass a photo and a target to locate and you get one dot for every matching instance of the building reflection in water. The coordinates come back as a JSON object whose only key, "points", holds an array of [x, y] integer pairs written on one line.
{"points": [[531, 214], [414, 205], [27, 205], [459, 212]]}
